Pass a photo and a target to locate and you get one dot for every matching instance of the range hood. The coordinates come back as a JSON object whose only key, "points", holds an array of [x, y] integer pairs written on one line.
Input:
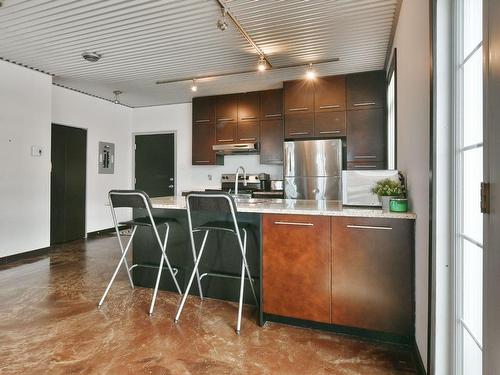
{"points": [[236, 148]]}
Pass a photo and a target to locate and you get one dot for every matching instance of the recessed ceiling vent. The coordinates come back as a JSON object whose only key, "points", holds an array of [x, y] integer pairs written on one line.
{"points": [[91, 56]]}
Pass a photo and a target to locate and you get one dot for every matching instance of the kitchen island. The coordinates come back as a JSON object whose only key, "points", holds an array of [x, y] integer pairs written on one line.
{"points": [[315, 264]]}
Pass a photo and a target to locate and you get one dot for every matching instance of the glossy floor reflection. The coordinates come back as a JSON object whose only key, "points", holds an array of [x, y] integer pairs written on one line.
{"points": [[49, 323]]}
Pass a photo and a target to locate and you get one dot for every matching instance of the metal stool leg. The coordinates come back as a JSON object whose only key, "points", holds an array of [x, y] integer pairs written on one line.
{"points": [[242, 285], [156, 287], [163, 248], [193, 248], [121, 247], [122, 259], [246, 267], [195, 271]]}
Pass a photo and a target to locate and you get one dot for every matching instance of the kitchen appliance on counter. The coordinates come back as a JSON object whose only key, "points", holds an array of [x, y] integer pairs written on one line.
{"points": [[313, 169], [357, 186]]}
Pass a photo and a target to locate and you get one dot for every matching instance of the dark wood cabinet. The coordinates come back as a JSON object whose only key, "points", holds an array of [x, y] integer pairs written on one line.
{"points": [[372, 283], [366, 136], [204, 110], [299, 125], [203, 139], [329, 94], [271, 104], [225, 132], [296, 266], [330, 124], [226, 108], [271, 141], [299, 96], [366, 90], [249, 106], [248, 131]]}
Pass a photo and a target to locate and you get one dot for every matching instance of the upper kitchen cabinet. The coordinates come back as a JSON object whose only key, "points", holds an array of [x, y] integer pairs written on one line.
{"points": [[204, 110], [203, 139], [249, 106], [366, 139], [329, 94], [299, 96], [271, 104], [226, 108], [271, 141], [366, 90]]}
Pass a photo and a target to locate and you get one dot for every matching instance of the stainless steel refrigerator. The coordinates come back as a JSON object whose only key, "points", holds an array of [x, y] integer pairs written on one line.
{"points": [[313, 169]]}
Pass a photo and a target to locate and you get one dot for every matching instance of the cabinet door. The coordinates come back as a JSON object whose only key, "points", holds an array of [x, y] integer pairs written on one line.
{"points": [[271, 104], [299, 96], [226, 108], [366, 135], [329, 124], [372, 285], [329, 94], [248, 131], [203, 140], [225, 132], [204, 110], [271, 142], [299, 125], [366, 90], [249, 106], [296, 266]]}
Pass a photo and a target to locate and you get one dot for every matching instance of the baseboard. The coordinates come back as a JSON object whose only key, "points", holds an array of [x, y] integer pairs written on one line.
{"points": [[25, 255], [418, 360]]}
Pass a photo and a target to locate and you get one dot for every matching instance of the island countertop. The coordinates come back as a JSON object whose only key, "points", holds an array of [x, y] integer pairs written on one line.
{"points": [[291, 206]]}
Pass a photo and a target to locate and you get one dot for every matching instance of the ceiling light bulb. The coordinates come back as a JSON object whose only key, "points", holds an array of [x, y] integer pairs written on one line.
{"points": [[310, 73], [262, 64], [194, 88], [116, 92]]}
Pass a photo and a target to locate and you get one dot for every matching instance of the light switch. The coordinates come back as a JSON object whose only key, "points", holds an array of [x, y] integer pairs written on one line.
{"points": [[36, 151]]}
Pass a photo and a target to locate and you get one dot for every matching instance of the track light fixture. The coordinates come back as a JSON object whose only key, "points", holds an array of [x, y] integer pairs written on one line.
{"points": [[221, 23], [194, 88], [116, 100], [262, 64], [310, 72]]}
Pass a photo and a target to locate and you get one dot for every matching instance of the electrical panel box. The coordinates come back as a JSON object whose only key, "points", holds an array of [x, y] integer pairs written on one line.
{"points": [[106, 158]]}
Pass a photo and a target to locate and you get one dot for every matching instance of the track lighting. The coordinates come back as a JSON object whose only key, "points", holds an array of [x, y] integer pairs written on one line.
{"points": [[262, 64], [91, 56], [221, 23], [194, 88], [117, 92], [310, 73]]}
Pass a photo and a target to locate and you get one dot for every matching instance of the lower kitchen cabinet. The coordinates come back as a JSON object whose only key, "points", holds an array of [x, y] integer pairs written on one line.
{"points": [[372, 277], [296, 266]]}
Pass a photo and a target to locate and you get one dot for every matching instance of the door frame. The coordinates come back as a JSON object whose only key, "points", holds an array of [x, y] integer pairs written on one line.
{"points": [[86, 174], [134, 134]]}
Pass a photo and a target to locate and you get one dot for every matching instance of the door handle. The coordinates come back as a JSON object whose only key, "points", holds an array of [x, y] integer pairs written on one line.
{"points": [[329, 106], [273, 115], [198, 121], [330, 132], [225, 119], [248, 117], [298, 109], [171, 186], [226, 140], [247, 139], [299, 133], [294, 223], [365, 157], [368, 227], [363, 104]]}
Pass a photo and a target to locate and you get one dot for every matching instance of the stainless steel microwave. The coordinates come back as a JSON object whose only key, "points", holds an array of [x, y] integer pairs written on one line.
{"points": [[357, 186]]}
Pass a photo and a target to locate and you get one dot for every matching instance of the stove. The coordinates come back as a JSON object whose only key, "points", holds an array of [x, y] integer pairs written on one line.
{"points": [[254, 182]]}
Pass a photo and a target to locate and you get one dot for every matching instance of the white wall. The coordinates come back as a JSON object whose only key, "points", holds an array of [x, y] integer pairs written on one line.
{"points": [[25, 97], [104, 121], [413, 139], [178, 118]]}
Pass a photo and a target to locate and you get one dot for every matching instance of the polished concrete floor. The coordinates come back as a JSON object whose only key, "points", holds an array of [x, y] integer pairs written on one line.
{"points": [[49, 324]]}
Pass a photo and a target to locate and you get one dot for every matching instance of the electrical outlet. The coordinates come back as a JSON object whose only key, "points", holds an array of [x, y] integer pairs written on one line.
{"points": [[209, 177]]}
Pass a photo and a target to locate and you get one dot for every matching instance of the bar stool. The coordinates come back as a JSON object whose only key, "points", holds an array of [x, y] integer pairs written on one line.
{"points": [[139, 200], [215, 203]]}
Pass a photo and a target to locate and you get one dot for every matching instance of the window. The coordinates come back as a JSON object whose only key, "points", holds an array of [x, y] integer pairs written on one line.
{"points": [[391, 114], [468, 249]]}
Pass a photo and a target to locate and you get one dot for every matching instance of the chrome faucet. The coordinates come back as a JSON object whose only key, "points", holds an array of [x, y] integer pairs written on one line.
{"points": [[237, 177]]}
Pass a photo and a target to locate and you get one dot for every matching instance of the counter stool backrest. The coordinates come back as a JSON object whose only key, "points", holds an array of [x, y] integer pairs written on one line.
{"points": [[211, 202], [130, 199]]}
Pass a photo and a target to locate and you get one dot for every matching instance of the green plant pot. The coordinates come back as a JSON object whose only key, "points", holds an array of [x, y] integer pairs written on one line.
{"points": [[398, 205]]}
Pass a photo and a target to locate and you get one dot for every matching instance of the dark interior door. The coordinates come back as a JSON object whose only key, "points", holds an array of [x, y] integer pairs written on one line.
{"points": [[154, 164], [68, 178]]}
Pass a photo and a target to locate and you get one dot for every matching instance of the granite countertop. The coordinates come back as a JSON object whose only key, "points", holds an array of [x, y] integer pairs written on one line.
{"points": [[291, 206]]}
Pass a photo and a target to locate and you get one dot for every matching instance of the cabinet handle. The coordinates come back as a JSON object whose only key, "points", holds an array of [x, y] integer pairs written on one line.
{"points": [[330, 132], [365, 157], [247, 139], [368, 227], [170, 186], [226, 140], [273, 115], [202, 161], [299, 133], [294, 223], [248, 118], [198, 121], [364, 104], [225, 119], [298, 109], [329, 106], [365, 166]]}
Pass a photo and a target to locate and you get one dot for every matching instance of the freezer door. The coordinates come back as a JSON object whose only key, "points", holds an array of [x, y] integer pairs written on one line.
{"points": [[316, 188], [313, 158]]}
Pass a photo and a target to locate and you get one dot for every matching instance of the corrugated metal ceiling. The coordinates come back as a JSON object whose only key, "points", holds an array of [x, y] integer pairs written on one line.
{"points": [[143, 41]]}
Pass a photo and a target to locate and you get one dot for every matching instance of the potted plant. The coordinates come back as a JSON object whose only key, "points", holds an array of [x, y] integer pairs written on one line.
{"points": [[388, 189]]}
